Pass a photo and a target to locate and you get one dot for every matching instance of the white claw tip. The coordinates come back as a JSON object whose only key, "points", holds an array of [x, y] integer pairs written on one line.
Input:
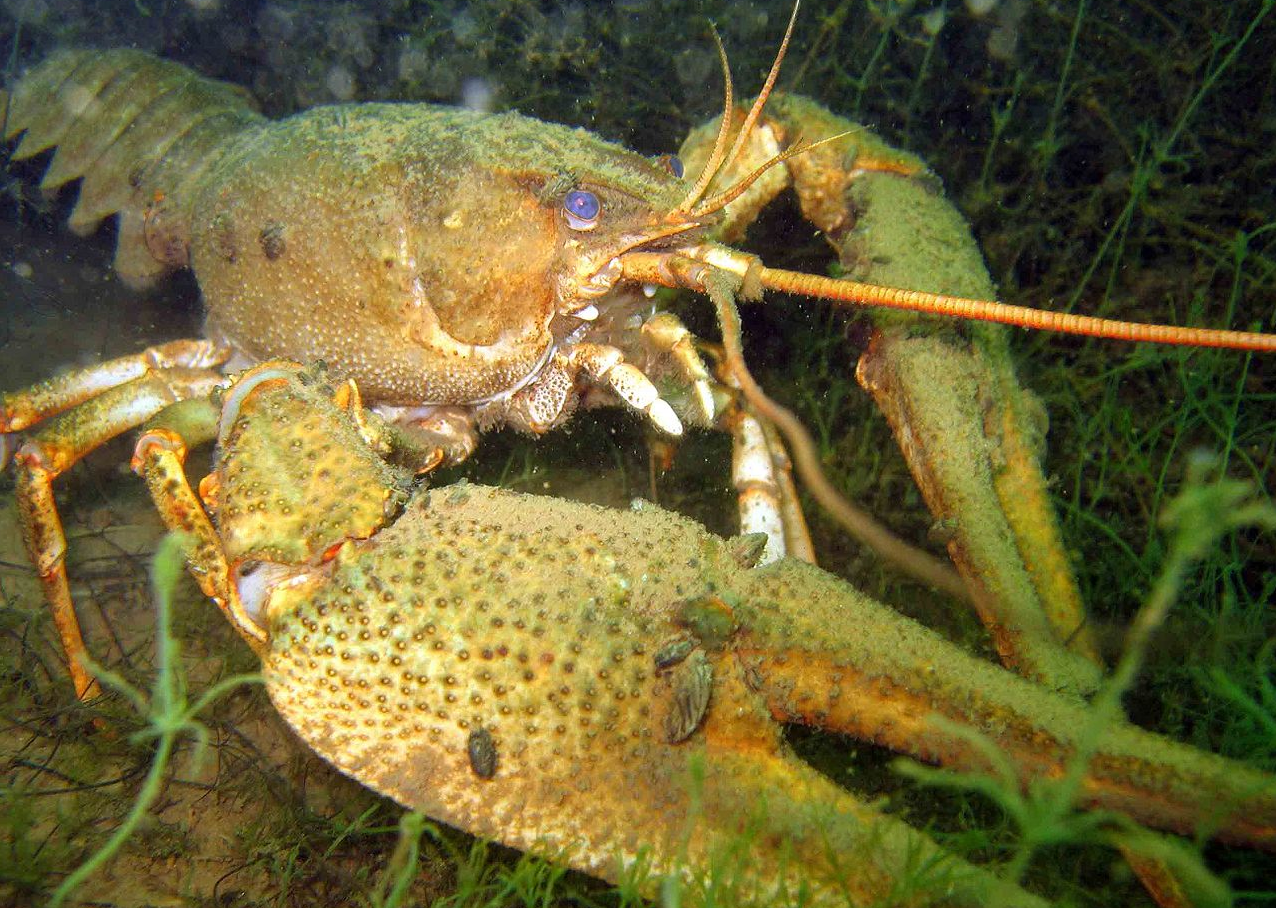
{"points": [[705, 397], [663, 416], [588, 314], [649, 290]]}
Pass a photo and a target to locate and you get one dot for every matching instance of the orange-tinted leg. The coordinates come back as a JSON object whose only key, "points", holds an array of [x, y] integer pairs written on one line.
{"points": [[159, 459], [22, 409], [52, 450]]}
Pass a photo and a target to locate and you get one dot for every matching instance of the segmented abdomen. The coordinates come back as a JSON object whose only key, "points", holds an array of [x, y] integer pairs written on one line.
{"points": [[139, 132]]}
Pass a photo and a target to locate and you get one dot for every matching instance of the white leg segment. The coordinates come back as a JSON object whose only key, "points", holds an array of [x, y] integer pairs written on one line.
{"points": [[753, 476], [665, 333], [606, 365]]}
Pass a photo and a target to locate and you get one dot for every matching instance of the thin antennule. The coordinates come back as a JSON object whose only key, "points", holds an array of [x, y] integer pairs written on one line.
{"points": [[720, 143], [729, 195], [756, 110], [717, 161]]}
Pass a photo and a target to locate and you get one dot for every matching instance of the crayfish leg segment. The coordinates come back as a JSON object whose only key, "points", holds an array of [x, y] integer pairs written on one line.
{"points": [[758, 494], [90, 420], [46, 544], [665, 333], [22, 409], [423, 438], [606, 365], [765, 492], [159, 458]]}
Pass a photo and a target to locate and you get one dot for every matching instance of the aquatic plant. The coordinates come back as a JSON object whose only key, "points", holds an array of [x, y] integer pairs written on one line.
{"points": [[168, 713]]}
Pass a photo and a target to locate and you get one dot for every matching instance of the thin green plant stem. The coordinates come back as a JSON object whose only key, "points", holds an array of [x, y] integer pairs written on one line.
{"points": [[150, 790], [1048, 145], [168, 714], [1161, 151], [830, 25], [861, 82], [1240, 251], [1139, 179], [401, 869], [1213, 75], [915, 93], [348, 831], [1000, 120]]}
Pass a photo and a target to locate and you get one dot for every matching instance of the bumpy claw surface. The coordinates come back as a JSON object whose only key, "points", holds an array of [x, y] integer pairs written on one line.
{"points": [[541, 622], [536, 671], [963, 422], [538, 621]]}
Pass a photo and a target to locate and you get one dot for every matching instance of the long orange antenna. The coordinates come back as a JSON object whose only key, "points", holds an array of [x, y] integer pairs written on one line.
{"points": [[692, 267], [1020, 316]]}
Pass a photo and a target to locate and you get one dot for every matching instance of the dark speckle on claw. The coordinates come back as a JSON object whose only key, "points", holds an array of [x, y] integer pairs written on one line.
{"points": [[482, 751]]}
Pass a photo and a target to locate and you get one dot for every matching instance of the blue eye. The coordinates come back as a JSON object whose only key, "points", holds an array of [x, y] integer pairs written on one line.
{"points": [[582, 209], [671, 163]]}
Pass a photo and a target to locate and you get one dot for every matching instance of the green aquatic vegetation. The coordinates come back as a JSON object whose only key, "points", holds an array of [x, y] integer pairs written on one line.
{"points": [[1208, 508], [1250, 689], [169, 715], [401, 869], [1047, 146], [1158, 152], [1000, 117]]}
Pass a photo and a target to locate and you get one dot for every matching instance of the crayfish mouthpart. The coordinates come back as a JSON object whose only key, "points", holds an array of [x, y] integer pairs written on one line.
{"points": [[601, 281]]}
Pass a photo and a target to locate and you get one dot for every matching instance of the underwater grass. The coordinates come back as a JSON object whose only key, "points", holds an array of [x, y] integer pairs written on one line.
{"points": [[169, 715], [1206, 510], [1157, 152]]}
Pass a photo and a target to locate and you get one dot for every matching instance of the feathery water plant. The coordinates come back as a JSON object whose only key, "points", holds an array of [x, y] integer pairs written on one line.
{"points": [[169, 715]]}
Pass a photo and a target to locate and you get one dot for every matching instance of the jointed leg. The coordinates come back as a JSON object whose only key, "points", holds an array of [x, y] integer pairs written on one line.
{"points": [[22, 409], [763, 480], [665, 333], [54, 448], [159, 458]]}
